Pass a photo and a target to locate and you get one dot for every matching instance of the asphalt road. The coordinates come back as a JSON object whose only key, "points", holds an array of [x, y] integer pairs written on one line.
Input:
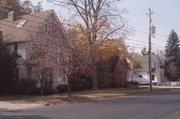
{"points": [[154, 106]]}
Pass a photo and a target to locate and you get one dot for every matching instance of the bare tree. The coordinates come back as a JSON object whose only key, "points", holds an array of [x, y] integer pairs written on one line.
{"points": [[100, 20], [28, 6]]}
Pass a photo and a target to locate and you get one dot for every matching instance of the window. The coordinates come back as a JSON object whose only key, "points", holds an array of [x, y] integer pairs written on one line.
{"points": [[48, 29], [15, 47], [140, 76], [21, 23], [152, 77]]}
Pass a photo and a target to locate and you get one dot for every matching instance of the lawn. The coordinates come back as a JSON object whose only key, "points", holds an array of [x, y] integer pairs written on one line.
{"points": [[82, 96]]}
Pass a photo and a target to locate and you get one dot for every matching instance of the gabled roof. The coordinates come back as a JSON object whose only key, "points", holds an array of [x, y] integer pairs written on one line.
{"points": [[144, 62], [12, 33]]}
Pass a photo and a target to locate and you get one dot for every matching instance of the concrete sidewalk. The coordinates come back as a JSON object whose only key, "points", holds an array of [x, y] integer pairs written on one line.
{"points": [[14, 106], [161, 87]]}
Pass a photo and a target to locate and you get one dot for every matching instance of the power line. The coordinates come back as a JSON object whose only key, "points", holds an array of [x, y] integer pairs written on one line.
{"points": [[147, 33]]}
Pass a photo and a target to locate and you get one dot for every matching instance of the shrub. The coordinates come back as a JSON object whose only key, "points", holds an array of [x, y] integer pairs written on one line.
{"points": [[46, 91], [8, 66], [154, 83], [132, 84], [106, 80], [29, 87], [62, 88], [78, 84], [25, 86]]}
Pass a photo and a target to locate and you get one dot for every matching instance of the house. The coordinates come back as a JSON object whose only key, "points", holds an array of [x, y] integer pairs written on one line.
{"points": [[17, 32], [141, 75], [121, 72], [120, 68]]}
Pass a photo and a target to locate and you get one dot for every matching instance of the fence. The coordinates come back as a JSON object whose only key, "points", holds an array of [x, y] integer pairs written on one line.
{"points": [[177, 83]]}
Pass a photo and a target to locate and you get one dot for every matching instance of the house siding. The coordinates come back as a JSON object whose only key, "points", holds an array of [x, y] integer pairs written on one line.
{"points": [[143, 76]]}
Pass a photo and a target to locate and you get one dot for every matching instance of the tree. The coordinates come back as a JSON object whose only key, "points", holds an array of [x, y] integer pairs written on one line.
{"points": [[8, 69], [109, 55], [54, 51], [100, 20], [144, 51], [71, 58], [134, 64], [172, 54], [41, 55], [9, 5], [41, 68], [28, 7], [19, 7]]}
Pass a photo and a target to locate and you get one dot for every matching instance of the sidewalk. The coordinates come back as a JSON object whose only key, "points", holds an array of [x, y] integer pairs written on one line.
{"points": [[28, 102], [161, 87], [16, 106]]}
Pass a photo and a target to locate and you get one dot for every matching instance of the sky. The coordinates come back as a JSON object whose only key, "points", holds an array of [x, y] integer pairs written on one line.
{"points": [[166, 16]]}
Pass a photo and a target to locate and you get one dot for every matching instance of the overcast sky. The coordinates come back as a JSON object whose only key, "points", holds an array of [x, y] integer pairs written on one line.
{"points": [[166, 17]]}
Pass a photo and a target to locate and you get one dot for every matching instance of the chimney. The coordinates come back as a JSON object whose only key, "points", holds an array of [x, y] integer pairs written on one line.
{"points": [[12, 16]]}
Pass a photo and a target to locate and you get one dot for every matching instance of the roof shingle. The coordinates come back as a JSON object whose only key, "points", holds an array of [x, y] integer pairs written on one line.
{"points": [[12, 33]]}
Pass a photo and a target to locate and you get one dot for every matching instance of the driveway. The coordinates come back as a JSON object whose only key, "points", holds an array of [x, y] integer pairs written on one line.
{"points": [[154, 106]]}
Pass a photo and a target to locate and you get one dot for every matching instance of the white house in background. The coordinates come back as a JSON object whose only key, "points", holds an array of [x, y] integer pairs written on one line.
{"points": [[17, 31], [141, 75]]}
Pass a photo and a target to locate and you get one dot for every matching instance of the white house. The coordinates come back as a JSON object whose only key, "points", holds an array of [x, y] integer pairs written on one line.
{"points": [[141, 75], [18, 30]]}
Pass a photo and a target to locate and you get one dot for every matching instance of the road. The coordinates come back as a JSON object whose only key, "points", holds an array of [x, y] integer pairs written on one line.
{"points": [[154, 106]]}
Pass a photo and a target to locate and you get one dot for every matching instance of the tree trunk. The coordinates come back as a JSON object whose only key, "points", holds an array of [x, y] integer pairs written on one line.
{"points": [[69, 88], [41, 88], [95, 81], [95, 85]]}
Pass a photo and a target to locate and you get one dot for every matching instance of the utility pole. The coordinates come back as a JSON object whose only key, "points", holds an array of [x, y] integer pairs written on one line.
{"points": [[150, 35]]}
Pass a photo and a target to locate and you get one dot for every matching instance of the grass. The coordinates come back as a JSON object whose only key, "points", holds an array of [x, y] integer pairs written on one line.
{"points": [[80, 96]]}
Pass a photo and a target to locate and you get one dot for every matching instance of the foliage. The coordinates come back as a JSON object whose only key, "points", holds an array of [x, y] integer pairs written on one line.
{"points": [[133, 63], [154, 83], [41, 68], [47, 51], [19, 7], [98, 23], [28, 7], [172, 54], [110, 48], [8, 74]]}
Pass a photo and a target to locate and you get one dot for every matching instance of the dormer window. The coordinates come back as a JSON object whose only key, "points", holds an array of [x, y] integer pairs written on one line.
{"points": [[21, 23]]}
